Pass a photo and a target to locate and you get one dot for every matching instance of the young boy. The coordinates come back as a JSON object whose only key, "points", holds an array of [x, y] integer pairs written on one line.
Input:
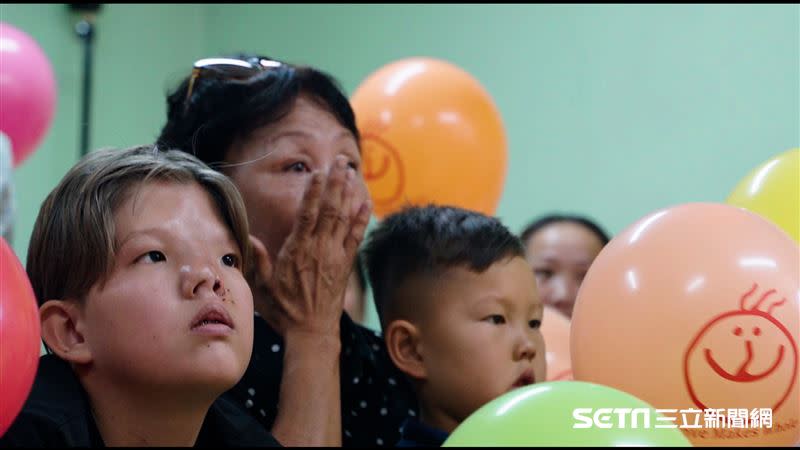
{"points": [[460, 313], [136, 259]]}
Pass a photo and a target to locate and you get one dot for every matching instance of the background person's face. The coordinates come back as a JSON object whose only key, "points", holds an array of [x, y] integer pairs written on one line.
{"points": [[284, 155], [560, 255]]}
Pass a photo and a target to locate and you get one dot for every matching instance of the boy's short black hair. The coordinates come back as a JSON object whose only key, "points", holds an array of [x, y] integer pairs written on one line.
{"points": [[427, 240]]}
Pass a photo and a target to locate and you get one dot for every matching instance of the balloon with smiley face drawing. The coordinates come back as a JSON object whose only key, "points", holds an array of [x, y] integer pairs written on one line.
{"points": [[747, 348], [430, 133], [695, 309]]}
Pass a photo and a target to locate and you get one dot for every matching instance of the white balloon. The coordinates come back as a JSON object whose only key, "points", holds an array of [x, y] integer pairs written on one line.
{"points": [[6, 188]]}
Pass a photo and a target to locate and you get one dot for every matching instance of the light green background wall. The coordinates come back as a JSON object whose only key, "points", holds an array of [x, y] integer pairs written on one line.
{"points": [[610, 110]]}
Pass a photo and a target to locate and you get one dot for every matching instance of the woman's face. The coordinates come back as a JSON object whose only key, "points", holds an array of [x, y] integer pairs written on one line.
{"points": [[560, 255], [278, 161]]}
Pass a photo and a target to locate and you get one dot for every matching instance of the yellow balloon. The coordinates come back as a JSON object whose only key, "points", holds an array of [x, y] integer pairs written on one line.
{"points": [[772, 190]]}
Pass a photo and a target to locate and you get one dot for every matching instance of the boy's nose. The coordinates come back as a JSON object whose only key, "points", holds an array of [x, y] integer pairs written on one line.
{"points": [[526, 348], [197, 280]]}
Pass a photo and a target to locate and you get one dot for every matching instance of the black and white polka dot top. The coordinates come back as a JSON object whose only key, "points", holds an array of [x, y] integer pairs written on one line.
{"points": [[376, 397]]}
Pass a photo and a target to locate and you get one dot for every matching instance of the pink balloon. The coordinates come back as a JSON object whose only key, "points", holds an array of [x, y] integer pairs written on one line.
{"points": [[556, 331], [27, 91]]}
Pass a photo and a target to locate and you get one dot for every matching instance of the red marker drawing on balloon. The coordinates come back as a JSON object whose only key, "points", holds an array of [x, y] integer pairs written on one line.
{"points": [[748, 324], [383, 169]]}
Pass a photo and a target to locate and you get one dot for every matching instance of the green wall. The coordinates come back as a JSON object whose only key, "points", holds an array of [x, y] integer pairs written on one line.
{"points": [[137, 49], [610, 110]]}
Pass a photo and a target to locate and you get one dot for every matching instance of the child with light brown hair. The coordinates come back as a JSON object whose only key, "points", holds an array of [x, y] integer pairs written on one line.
{"points": [[137, 260]]}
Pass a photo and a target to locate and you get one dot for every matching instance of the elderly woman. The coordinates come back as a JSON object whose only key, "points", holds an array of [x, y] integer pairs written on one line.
{"points": [[286, 135]]}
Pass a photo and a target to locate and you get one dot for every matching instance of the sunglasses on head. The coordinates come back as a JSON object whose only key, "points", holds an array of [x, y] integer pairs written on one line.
{"points": [[228, 68]]}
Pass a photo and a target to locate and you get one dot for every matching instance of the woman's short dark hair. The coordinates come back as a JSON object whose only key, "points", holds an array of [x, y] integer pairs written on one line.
{"points": [[543, 221], [221, 109]]}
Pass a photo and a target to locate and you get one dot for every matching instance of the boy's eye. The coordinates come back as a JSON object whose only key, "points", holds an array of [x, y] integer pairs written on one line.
{"points": [[153, 256], [230, 260], [298, 167], [496, 319], [535, 323]]}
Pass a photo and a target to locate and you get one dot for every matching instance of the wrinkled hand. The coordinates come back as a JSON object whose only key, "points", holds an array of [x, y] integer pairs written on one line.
{"points": [[307, 281]]}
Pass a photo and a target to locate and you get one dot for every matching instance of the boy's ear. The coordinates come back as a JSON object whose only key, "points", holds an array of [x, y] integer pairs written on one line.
{"points": [[403, 344], [62, 330]]}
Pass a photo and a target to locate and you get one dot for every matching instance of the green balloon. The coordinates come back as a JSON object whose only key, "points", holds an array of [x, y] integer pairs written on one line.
{"points": [[543, 414]]}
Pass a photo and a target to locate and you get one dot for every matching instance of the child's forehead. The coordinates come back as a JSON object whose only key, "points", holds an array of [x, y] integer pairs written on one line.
{"points": [[143, 197], [165, 205]]}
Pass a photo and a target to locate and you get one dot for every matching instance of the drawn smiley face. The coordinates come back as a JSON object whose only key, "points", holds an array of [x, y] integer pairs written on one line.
{"points": [[384, 172], [741, 359]]}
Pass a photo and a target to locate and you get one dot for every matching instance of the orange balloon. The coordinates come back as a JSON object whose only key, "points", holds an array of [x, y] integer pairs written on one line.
{"points": [[429, 134], [555, 329], [697, 307]]}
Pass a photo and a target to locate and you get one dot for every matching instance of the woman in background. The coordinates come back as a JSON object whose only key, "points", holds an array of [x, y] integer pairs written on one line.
{"points": [[560, 249]]}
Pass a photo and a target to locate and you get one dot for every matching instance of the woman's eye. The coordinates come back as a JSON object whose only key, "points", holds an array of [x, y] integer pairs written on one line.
{"points": [[152, 256], [230, 260], [353, 165], [496, 319], [535, 323], [298, 167], [543, 273]]}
